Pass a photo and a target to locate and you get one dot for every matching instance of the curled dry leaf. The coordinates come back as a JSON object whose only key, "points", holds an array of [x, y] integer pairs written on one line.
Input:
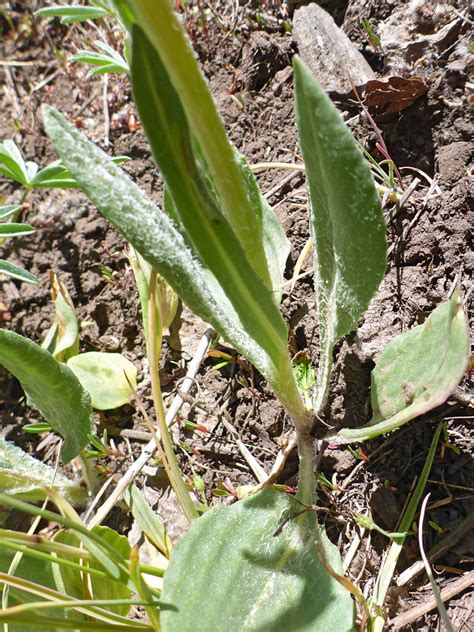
{"points": [[396, 94]]}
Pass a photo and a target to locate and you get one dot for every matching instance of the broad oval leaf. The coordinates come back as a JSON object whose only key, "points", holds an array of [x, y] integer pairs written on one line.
{"points": [[418, 371], [109, 378], [231, 567], [346, 220], [53, 387], [25, 477]]}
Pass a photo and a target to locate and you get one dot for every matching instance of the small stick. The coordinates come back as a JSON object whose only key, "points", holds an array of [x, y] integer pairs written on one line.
{"points": [[409, 192], [278, 186], [150, 448], [279, 463], [415, 613], [254, 465], [443, 545]]}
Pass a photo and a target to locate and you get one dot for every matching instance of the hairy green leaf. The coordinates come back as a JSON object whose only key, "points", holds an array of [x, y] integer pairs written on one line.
{"points": [[177, 56], [418, 371], [25, 477], [109, 60], [346, 220], [53, 388], [156, 238], [263, 574], [166, 125], [109, 378]]}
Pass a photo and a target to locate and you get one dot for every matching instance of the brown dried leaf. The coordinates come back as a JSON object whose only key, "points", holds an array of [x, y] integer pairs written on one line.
{"points": [[396, 94]]}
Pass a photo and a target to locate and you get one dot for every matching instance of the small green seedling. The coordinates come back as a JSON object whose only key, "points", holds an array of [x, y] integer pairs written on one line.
{"points": [[30, 176], [105, 60]]}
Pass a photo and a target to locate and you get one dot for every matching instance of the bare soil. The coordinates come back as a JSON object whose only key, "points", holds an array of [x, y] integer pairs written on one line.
{"points": [[246, 55]]}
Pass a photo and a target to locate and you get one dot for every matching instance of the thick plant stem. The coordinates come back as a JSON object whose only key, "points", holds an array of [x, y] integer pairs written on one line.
{"points": [[171, 463], [306, 483], [293, 402]]}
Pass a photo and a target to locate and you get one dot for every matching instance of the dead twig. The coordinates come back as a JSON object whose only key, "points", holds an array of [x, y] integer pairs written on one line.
{"points": [[415, 613], [443, 545], [150, 449], [279, 464]]}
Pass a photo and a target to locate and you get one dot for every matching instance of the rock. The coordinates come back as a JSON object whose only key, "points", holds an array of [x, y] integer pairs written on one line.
{"points": [[416, 32], [453, 161], [328, 52]]}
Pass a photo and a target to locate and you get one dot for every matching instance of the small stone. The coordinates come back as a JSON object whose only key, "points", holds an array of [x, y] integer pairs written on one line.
{"points": [[328, 52]]}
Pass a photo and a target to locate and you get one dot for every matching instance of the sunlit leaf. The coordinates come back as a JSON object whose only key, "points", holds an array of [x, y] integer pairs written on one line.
{"points": [[16, 272], [418, 370], [25, 477], [109, 378], [53, 388], [263, 574], [346, 220]]}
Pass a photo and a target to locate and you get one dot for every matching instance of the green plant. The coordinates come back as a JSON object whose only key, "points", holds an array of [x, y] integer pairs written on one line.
{"points": [[216, 245], [109, 378], [105, 59], [221, 248], [84, 578], [29, 176], [78, 13], [371, 35]]}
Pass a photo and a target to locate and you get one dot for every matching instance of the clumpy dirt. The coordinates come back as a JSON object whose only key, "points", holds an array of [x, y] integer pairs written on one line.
{"points": [[246, 55]]}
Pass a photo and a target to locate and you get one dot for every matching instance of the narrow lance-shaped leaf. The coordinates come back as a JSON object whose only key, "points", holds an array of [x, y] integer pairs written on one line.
{"points": [[73, 13], [245, 562], [65, 329], [52, 387], [346, 220], [151, 233], [12, 229], [178, 57], [148, 520], [16, 272], [166, 125], [9, 209], [154, 235], [418, 371]]}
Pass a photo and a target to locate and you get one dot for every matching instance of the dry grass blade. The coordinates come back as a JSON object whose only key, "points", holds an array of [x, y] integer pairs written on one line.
{"points": [[439, 602]]}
